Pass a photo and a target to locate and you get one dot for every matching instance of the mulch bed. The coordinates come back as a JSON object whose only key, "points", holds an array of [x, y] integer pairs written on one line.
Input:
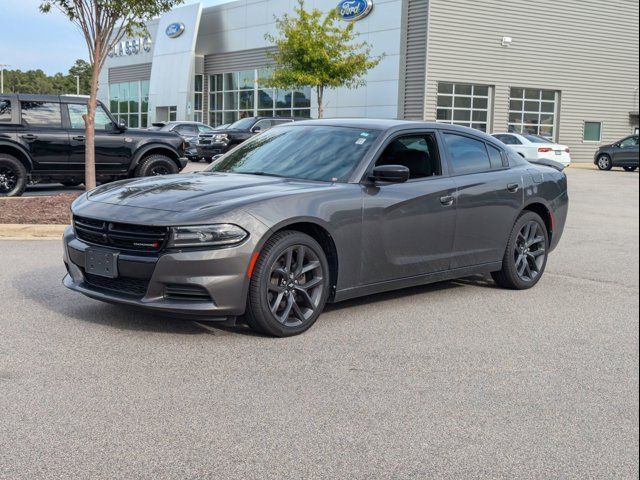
{"points": [[53, 210]]}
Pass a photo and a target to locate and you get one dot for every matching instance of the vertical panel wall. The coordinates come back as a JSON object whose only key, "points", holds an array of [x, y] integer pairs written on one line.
{"points": [[585, 49]]}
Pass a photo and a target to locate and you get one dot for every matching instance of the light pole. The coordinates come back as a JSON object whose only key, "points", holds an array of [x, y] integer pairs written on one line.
{"points": [[2, 67], [77, 84]]}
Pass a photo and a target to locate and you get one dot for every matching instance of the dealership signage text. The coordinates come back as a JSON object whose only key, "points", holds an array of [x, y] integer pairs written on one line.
{"points": [[133, 46]]}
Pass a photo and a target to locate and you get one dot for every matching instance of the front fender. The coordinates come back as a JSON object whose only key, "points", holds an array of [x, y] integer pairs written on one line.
{"points": [[22, 151], [162, 148]]}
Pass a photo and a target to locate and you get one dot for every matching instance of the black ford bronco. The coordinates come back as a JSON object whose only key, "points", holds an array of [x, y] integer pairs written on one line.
{"points": [[42, 139]]}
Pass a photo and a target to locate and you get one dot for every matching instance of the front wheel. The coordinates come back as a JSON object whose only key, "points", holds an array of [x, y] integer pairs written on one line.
{"points": [[526, 256], [630, 169], [604, 162], [289, 286], [13, 176], [156, 165]]}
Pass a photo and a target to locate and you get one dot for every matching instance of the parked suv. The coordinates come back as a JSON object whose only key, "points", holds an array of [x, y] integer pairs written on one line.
{"points": [[42, 138], [189, 131], [222, 140], [623, 153]]}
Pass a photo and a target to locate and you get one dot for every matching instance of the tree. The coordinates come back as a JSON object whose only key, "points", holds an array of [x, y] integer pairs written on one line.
{"points": [[36, 81], [81, 69], [318, 53], [104, 23]]}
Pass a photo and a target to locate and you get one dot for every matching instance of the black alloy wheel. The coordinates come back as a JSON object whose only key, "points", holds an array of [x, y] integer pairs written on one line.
{"points": [[529, 252], [525, 258], [13, 176], [289, 286], [604, 162]]}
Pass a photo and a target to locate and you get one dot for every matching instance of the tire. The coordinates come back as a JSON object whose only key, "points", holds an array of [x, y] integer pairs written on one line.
{"points": [[525, 258], [630, 169], [604, 162], [71, 183], [13, 176], [276, 291], [156, 165]]}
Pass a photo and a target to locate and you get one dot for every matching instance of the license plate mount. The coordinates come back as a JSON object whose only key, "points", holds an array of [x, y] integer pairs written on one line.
{"points": [[103, 263]]}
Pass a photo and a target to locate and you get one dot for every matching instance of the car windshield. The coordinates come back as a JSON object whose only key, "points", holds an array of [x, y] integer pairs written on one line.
{"points": [[321, 153], [243, 123], [537, 139]]}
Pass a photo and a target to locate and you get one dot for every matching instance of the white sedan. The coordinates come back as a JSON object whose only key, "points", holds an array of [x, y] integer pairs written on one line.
{"points": [[536, 147]]}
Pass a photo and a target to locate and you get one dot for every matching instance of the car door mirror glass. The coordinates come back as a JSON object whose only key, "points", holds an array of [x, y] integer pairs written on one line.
{"points": [[390, 174]]}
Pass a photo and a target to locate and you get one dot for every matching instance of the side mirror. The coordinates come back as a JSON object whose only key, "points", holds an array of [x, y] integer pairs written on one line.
{"points": [[256, 129], [390, 174]]}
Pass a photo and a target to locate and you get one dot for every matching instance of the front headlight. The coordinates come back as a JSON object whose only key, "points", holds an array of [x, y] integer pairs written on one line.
{"points": [[223, 137], [206, 236]]}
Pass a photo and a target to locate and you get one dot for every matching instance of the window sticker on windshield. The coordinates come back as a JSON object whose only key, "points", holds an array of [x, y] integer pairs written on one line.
{"points": [[361, 141], [364, 134]]}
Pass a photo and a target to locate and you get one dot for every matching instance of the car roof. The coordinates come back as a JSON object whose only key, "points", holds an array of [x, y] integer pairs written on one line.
{"points": [[29, 97]]}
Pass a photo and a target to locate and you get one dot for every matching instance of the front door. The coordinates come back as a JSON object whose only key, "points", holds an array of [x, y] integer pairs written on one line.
{"points": [[489, 196], [42, 134], [112, 156], [627, 153], [408, 227]]}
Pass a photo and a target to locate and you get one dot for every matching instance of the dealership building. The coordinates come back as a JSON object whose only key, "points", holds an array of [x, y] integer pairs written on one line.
{"points": [[566, 70]]}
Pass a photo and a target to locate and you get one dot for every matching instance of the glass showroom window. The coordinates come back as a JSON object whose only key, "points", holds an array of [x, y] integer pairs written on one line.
{"points": [[129, 101], [240, 94], [197, 97], [464, 104], [533, 111]]}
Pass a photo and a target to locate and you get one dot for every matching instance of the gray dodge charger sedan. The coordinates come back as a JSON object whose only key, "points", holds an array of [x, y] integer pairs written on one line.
{"points": [[315, 212]]}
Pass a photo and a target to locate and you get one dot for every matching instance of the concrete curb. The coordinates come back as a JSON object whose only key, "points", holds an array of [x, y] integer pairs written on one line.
{"points": [[24, 231]]}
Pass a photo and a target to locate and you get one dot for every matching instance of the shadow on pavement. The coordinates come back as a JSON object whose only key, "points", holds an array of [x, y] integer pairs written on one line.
{"points": [[54, 297]]}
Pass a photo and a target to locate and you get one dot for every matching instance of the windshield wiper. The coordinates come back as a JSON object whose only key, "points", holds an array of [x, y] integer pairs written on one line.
{"points": [[263, 174]]}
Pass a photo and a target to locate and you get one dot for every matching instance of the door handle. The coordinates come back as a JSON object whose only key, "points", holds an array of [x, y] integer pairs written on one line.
{"points": [[29, 137], [446, 201], [79, 138], [513, 187]]}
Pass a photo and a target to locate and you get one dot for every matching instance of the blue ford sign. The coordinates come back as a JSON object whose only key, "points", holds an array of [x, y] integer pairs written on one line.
{"points": [[353, 10], [174, 30]]}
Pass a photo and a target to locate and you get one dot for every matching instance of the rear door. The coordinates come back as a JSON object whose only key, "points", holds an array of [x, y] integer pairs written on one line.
{"points": [[112, 154], [408, 227], [627, 153], [41, 132], [488, 199]]}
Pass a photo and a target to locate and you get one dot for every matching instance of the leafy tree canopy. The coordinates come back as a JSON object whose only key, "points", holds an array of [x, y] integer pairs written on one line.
{"points": [[36, 81], [318, 52]]}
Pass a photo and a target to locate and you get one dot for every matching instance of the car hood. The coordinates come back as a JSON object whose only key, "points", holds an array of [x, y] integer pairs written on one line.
{"points": [[198, 192]]}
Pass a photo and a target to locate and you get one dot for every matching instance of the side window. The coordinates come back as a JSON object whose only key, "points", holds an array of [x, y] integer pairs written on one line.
{"points": [[281, 122], [41, 114], [629, 142], [5, 111], [508, 139], [262, 125], [419, 153], [186, 130], [495, 157], [467, 154], [76, 111]]}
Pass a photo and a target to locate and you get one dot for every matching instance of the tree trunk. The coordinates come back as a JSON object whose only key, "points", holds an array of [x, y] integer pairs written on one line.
{"points": [[90, 136], [320, 93]]}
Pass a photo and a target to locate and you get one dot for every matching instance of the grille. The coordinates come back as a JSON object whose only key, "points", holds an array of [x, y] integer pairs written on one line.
{"points": [[121, 235], [129, 286], [186, 292]]}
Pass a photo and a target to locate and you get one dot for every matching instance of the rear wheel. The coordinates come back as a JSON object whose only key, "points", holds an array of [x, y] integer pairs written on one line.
{"points": [[13, 176], [289, 286], [630, 169], [604, 162], [156, 165], [525, 259]]}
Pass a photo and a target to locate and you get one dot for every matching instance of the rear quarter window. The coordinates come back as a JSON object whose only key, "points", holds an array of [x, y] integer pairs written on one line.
{"points": [[467, 155], [5, 111]]}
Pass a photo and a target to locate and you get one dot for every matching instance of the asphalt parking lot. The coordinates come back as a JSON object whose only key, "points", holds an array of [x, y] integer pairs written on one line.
{"points": [[454, 380]]}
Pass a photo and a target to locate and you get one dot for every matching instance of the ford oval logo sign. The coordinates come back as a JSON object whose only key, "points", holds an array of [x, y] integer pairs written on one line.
{"points": [[175, 30], [353, 10]]}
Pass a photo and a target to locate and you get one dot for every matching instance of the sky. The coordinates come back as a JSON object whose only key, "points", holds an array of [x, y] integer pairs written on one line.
{"points": [[30, 40]]}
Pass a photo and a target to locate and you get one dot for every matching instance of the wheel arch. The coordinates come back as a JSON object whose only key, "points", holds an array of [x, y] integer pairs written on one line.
{"points": [[153, 149], [545, 213], [19, 153], [320, 234]]}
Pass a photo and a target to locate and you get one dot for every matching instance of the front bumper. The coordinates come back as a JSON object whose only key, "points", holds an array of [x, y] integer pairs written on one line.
{"points": [[220, 276], [183, 162]]}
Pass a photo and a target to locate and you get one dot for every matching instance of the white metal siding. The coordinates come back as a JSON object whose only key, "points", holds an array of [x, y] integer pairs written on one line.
{"points": [[414, 58], [586, 49], [130, 73]]}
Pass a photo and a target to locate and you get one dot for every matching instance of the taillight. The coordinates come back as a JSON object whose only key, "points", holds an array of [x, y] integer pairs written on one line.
{"points": [[545, 149]]}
